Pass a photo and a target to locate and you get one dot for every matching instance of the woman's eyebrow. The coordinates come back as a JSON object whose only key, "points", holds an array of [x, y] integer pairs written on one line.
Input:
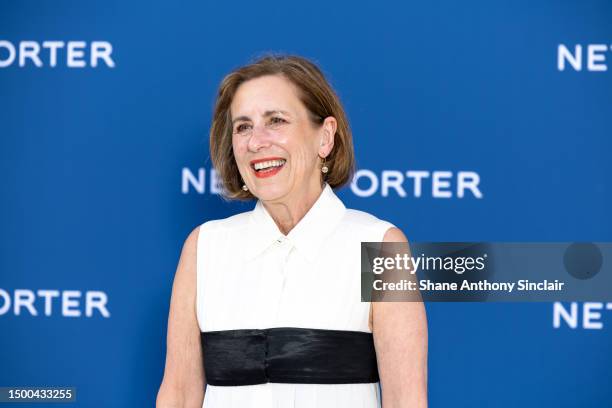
{"points": [[272, 112], [266, 114]]}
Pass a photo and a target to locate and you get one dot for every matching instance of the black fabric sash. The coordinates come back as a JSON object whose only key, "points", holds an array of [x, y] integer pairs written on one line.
{"points": [[288, 355]]}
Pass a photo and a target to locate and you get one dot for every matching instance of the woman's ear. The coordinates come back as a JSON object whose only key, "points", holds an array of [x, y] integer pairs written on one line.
{"points": [[328, 132]]}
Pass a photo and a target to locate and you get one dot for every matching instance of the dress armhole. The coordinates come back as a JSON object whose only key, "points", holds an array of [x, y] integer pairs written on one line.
{"points": [[381, 229], [383, 226], [199, 273]]}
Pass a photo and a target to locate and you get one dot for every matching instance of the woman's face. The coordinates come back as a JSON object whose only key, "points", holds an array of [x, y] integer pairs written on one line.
{"points": [[275, 144]]}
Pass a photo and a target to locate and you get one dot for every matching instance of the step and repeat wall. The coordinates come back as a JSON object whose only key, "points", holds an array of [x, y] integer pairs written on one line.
{"points": [[480, 121]]}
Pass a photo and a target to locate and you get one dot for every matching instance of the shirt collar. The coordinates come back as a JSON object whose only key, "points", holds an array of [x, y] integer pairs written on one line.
{"points": [[307, 236]]}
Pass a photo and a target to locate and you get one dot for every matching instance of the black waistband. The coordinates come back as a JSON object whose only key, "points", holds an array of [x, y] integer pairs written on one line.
{"points": [[288, 355]]}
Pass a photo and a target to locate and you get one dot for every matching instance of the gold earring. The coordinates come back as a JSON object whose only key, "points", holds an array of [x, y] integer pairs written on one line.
{"points": [[245, 188], [324, 168]]}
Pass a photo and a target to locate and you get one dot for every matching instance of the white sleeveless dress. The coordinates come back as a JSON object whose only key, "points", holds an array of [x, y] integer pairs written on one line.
{"points": [[251, 276]]}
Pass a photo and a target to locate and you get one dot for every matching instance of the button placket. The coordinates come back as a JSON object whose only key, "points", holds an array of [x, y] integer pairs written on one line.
{"points": [[288, 248], [286, 255]]}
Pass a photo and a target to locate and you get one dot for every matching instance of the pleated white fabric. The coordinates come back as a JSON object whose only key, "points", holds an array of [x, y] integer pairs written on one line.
{"points": [[251, 276]]}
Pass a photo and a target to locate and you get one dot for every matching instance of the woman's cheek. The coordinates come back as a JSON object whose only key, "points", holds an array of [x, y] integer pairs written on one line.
{"points": [[239, 149]]}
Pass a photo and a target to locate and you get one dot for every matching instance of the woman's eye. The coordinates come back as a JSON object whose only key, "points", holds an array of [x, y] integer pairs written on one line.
{"points": [[276, 120], [241, 128]]}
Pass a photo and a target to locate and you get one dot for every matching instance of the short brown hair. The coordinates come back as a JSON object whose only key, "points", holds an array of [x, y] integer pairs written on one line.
{"points": [[315, 93]]}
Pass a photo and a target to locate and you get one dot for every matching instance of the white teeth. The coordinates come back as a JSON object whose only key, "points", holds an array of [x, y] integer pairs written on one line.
{"points": [[269, 163]]}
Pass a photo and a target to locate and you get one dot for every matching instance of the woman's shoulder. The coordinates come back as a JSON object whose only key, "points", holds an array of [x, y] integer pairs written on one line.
{"points": [[232, 222], [360, 217], [356, 220]]}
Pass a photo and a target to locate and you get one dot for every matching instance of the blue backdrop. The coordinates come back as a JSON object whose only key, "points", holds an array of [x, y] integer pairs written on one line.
{"points": [[104, 115]]}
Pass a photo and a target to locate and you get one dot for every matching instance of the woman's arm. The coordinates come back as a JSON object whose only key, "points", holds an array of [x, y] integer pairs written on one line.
{"points": [[400, 338], [183, 382]]}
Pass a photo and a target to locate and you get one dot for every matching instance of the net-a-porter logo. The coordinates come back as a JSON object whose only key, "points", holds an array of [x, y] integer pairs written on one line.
{"points": [[586, 315], [50, 302], [438, 184], [71, 54], [590, 57]]}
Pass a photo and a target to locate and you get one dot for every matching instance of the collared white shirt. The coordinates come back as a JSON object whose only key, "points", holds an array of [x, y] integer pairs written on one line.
{"points": [[252, 276]]}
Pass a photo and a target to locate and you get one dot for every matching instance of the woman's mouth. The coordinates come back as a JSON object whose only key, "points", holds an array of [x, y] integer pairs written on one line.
{"points": [[267, 167]]}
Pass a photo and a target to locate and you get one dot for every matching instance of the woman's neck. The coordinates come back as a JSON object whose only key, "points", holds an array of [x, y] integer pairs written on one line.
{"points": [[286, 214]]}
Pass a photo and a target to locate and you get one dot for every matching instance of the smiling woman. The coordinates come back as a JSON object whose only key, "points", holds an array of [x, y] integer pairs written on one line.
{"points": [[265, 308], [288, 101]]}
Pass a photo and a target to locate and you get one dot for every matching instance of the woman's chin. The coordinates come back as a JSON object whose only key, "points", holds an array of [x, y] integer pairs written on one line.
{"points": [[270, 192]]}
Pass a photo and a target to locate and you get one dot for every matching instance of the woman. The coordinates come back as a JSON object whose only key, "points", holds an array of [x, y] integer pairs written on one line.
{"points": [[269, 299]]}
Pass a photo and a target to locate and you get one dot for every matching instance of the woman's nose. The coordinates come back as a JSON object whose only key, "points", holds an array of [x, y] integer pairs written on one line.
{"points": [[260, 137]]}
